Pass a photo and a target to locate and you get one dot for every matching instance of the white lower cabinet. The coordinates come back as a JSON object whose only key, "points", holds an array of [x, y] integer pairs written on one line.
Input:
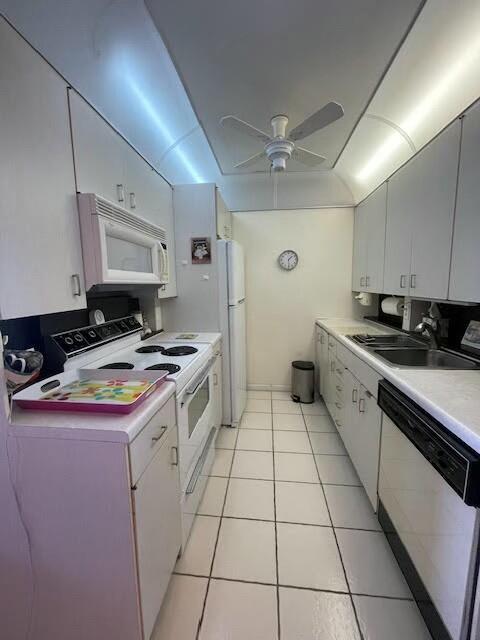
{"points": [[158, 528], [353, 408], [217, 391]]}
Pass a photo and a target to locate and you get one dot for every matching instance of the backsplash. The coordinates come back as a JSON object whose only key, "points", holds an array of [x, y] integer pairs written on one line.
{"points": [[25, 333]]}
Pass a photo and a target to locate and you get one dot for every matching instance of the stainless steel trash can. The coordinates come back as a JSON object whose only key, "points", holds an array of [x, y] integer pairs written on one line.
{"points": [[303, 381]]}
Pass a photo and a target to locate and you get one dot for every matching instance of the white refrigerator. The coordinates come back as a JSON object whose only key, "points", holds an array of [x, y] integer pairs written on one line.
{"points": [[232, 300]]}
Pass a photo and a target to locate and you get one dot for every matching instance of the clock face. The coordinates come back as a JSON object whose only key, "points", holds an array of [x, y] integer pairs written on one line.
{"points": [[288, 260]]}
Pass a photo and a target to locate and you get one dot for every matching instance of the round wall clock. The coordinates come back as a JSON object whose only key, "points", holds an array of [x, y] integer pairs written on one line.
{"points": [[288, 259]]}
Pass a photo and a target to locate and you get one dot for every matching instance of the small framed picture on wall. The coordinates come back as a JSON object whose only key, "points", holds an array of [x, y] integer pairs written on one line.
{"points": [[201, 251]]}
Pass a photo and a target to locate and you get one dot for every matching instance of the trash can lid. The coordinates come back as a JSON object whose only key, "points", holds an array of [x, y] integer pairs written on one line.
{"points": [[302, 364]]}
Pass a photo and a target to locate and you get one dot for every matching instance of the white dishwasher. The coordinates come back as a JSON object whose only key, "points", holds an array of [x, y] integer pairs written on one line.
{"points": [[429, 488]]}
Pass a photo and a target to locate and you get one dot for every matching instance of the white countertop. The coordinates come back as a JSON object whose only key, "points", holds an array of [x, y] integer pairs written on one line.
{"points": [[450, 396], [89, 426]]}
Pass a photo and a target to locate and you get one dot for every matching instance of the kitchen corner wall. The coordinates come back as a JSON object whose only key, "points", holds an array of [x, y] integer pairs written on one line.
{"points": [[282, 306]]}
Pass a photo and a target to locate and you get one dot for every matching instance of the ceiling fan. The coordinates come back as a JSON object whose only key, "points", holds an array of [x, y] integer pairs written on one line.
{"points": [[281, 147]]}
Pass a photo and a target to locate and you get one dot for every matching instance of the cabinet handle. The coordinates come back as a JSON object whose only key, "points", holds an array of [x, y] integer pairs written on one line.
{"points": [[332, 367], [76, 285], [133, 201], [361, 405], [362, 281], [413, 280], [338, 405], [322, 339], [402, 282], [175, 456], [338, 423], [354, 396], [367, 281], [338, 388], [340, 372], [161, 434], [120, 193], [215, 379]]}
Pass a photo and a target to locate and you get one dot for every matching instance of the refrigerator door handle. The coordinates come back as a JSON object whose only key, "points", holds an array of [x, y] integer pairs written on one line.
{"points": [[241, 301]]}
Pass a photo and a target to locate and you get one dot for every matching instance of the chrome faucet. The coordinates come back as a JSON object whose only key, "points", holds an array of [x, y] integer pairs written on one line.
{"points": [[429, 328]]}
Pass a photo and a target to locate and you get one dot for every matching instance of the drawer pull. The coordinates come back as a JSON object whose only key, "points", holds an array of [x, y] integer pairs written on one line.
{"points": [[160, 435], [403, 280], [354, 396], [175, 456], [332, 366], [367, 281], [338, 388], [361, 405], [120, 193], [340, 372], [338, 405]]}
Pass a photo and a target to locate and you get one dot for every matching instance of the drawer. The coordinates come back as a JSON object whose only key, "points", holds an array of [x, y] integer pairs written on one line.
{"points": [[151, 438], [360, 369]]}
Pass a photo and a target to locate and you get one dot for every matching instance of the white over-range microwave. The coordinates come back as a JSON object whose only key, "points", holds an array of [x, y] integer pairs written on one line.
{"points": [[119, 247]]}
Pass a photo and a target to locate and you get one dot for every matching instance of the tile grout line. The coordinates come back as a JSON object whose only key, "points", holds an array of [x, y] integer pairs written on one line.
{"points": [[336, 541], [277, 588], [296, 586], [200, 622]]}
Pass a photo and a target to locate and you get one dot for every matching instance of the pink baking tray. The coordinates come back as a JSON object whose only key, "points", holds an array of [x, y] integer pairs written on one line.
{"points": [[103, 401]]}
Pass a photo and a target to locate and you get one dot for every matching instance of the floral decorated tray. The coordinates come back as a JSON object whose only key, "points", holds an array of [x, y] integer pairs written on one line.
{"points": [[93, 391]]}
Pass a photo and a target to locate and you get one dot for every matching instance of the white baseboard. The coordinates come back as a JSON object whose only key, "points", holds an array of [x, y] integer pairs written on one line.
{"points": [[268, 387]]}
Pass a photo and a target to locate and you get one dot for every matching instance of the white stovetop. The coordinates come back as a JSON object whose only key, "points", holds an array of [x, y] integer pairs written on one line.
{"points": [[186, 337], [450, 396]]}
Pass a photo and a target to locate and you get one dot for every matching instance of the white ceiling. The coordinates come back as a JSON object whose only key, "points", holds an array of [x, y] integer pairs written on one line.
{"points": [[257, 59]]}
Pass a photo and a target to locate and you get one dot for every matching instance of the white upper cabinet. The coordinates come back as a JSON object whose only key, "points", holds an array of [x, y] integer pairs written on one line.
{"points": [[420, 211], [464, 280], [359, 271], [434, 190], [41, 269], [376, 214], [98, 153], [107, 165], [369, 242], [224, 219]]}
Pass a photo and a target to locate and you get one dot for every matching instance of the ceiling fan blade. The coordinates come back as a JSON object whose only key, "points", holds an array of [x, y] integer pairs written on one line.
{"points": [[249, 161], [321, 118], [239, 125], [307, 157]]}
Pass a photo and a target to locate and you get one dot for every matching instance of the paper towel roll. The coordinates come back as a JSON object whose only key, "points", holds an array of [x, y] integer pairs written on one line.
{"points": [[365, 299], [393, 306]]}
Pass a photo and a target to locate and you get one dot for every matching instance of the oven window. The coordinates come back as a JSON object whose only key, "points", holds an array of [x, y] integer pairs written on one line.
{"points": [[126, 255], [197, 405]]}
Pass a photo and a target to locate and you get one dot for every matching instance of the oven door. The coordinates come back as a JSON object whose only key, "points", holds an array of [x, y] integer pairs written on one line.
{"points": [[130, 256], [195, 418]]}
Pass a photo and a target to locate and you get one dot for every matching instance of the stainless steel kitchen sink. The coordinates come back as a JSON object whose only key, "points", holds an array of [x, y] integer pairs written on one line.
{"points": [[424, 358]]}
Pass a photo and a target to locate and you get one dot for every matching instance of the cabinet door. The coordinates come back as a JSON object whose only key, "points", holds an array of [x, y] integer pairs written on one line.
{"points": [[367, 443], [224, 219], [359, 271], [398, 233], [158, 529], [432, 192], [375, 213], [322, 360], [217, 392], [41, 267], [330, 391], [99, 153], [351, 393], [464, 280]]}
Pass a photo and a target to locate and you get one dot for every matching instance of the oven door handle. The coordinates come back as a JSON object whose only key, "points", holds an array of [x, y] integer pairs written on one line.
{"points": [[205, 372], [200, 463]]}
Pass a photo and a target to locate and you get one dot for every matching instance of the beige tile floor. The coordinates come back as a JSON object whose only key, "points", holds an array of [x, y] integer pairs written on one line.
{"points": [[286, 544]]}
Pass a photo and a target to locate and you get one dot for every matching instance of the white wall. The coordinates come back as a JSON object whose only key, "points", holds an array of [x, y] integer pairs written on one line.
{"points": [[282, 306]]}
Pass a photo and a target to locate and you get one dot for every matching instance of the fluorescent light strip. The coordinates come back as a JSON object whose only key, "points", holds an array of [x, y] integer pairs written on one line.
{"points": [[153, 115], [452, 78]]}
